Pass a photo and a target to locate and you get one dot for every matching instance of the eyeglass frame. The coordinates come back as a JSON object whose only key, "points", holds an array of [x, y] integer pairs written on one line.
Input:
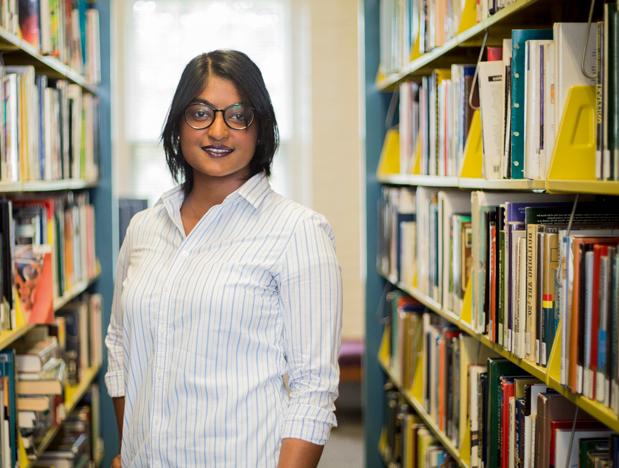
{"points": [[223, 115]]}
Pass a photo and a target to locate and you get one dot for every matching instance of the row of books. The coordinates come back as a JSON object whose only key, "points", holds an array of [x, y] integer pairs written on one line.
{"points": [[39, 366], [537, 265], [423, 25], [522, 93], [510, 417], [47, 248], [409, 442], [77, 442], [48, 130], [65, 29]]}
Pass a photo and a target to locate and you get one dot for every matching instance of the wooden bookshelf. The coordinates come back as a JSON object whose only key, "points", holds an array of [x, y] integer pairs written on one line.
{"points": [[16, 51], [46, 186], [19, 51], [77, 289], [566, 165], [73, 395], [595, 408], [420, 410], [9, 336], [429, 60]]}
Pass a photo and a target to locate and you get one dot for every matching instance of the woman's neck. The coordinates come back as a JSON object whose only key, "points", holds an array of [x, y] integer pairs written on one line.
{"points": [[210, 191]]}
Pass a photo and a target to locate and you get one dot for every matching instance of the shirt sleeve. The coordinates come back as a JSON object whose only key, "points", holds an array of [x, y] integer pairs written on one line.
{"points": [[115, 375], [311, 296]]}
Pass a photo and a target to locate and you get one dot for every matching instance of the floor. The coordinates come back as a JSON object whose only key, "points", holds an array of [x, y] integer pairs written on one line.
{"points": [[345, 447]]}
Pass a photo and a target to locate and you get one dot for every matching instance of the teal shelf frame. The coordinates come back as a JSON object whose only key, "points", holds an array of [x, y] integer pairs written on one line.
{"points": [[106, 219], [376, 104]]}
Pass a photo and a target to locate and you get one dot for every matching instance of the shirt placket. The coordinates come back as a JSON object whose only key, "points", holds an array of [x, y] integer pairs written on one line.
{"points": [[164, 324]]}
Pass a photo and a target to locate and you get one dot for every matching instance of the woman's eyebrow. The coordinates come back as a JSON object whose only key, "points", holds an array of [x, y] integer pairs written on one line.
{"points": [[201, 101]]}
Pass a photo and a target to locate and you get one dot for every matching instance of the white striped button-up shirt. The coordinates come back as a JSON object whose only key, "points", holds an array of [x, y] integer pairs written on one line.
{"points": [[204, 327]]}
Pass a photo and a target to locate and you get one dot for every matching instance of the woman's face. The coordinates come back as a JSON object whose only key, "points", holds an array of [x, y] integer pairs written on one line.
{"points": [[218, 151]]}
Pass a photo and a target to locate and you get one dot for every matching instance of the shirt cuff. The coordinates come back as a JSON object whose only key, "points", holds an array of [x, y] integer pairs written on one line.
{"points": [[115, 383], [308, 423]]}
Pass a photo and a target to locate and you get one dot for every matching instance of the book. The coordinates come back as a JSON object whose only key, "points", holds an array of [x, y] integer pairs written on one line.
{"points": [[519, 38]]}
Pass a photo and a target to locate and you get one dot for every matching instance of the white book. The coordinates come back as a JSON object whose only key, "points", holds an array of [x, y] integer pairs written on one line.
{"points": [[563, 441], [491, 103], [533, 109], [449, 202], [512, 431], [406, 134]]}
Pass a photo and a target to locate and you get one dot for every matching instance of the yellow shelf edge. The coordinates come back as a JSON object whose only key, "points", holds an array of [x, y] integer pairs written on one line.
{"points": [[46, 185], [9, 336], [601, 187], [388, 82]]}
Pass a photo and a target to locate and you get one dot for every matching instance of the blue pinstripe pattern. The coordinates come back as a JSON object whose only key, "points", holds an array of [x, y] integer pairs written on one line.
{"points": [[204, 327]]}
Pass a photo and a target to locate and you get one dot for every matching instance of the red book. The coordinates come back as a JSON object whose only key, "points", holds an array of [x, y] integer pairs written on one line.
{"points": [[508, 390], [494, 54], [567, 424], [598, 251]]}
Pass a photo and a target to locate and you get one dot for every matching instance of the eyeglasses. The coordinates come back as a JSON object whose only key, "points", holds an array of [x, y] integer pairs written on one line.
{"points": [[236, 116]]}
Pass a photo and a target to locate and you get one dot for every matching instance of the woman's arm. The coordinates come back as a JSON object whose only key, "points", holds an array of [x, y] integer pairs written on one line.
{"points": [[119, 409], [297, 453], [311, 302]]}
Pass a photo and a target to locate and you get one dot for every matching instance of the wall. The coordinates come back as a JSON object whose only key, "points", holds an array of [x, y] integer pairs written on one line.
{"points": [[336, 161]]}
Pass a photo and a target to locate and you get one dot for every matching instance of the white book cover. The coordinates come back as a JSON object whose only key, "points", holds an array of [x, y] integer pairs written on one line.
{"points": [[533, 109], [491, 103], [564, 440], [450, 202], [406, 143]]}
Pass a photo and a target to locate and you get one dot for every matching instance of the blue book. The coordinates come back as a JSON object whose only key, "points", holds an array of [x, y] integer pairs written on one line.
{"points": [[7, 370], [519, 37]]}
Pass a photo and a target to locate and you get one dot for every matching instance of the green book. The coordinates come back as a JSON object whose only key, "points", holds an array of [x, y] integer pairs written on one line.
{"points": [[585, 446], [497, 368]]}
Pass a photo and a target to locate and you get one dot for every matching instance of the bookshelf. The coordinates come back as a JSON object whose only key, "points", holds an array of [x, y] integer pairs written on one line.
{"points": [[571, 171], [16, 51]]}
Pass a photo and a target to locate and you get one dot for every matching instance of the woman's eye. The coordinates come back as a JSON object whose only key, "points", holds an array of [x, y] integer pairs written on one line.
{"points": [[200, 114]]}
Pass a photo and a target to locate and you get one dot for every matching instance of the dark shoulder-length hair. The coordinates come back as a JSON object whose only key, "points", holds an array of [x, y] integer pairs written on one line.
{"points": [[246, 76]]}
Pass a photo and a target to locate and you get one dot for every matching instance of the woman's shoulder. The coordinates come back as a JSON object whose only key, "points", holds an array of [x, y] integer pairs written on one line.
{"points": [[296, 214]]}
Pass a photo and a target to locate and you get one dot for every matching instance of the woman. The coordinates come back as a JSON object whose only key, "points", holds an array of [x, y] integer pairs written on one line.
{"points": [[222, 288]]}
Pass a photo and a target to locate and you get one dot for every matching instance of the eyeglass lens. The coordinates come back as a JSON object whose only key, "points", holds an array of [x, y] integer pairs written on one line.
{"points": [[237, 116]]}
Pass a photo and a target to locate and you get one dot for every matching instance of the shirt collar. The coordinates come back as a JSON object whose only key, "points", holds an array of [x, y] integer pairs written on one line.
{"points": [[253, 191]]}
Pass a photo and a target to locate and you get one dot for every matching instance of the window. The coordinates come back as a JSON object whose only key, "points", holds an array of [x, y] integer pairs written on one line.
{"points": [[161, 36]]}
